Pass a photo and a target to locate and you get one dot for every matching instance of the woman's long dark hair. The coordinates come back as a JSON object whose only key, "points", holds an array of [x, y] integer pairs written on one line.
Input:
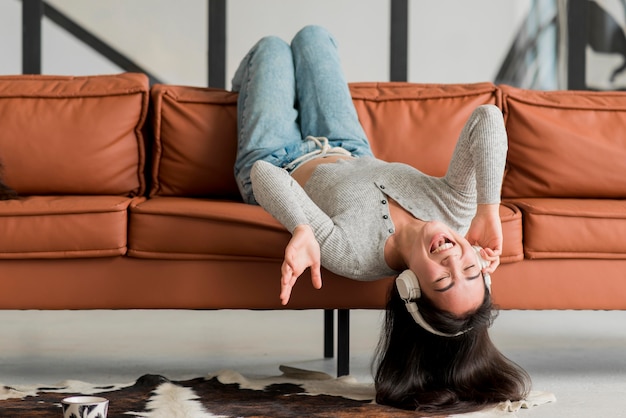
{"points": [[6, 192], [417, 370]]}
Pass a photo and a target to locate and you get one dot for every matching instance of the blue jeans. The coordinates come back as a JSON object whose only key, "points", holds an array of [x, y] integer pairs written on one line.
{"points": [[286, 93]]}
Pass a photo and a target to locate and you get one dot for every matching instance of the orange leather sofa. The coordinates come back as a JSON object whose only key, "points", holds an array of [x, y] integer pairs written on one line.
{"points": [[127, 196]]}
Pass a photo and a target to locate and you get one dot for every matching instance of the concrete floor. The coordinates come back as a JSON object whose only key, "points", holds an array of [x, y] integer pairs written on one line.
{"points": [[580, 356]]}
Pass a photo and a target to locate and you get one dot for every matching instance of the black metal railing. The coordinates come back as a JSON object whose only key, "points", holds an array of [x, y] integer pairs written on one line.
{"points": [[34, 10], [217, 44], [32, 13], [520, 66]]}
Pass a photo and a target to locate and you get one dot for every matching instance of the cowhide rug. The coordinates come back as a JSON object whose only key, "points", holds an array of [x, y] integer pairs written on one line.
{"points": [[296, 393]]}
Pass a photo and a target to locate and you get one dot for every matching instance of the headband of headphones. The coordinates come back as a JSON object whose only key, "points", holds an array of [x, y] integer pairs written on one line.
{"points": [[409, 290]]}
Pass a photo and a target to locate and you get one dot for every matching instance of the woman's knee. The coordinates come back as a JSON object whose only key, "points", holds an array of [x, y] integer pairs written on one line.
{"points": [[272, 45], [269, 52], [311, 34]]}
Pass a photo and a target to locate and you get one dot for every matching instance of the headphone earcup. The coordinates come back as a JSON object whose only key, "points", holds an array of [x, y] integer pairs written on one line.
{"points": [[408, 285]]}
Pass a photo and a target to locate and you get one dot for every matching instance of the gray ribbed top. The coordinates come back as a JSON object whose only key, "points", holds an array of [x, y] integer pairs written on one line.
{"points": [[346, 202]]}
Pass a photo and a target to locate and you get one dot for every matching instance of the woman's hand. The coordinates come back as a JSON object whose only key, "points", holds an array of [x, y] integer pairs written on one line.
{"points": [[486, 231], [303, 251]]}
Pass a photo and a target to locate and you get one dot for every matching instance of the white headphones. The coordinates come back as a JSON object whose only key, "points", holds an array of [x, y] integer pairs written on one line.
{"points": [[409, 290]]}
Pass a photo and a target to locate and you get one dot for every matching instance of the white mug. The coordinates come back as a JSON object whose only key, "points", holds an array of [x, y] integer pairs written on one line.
{"points": [[85, 407]]}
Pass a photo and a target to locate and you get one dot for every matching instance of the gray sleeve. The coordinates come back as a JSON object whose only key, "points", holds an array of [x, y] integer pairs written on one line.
{"points": [[480, 155], [282, 196], [279, 194]]}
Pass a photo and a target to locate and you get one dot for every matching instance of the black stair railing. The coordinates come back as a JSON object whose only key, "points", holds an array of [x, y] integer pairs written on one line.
{"points": [[34, 10], [32, 13]]}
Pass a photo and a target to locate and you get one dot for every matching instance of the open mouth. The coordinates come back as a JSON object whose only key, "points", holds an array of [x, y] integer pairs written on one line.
{"points": [[441, 243]]}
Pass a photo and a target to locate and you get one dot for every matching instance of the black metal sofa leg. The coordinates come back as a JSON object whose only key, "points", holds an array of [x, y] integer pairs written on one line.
{"points": [[343, 342], [329, 333], [343, 339]]}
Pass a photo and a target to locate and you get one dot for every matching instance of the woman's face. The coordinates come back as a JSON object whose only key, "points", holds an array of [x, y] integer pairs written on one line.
{"points": [[447, 269]]}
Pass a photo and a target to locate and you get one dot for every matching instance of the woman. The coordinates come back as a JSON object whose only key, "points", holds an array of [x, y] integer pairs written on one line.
{"points": [[366, 219]]}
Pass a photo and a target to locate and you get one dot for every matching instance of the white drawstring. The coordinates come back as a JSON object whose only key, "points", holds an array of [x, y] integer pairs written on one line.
{"points": [[323, 150]]}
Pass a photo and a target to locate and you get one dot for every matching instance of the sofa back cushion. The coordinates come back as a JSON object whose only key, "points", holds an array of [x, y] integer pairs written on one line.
{"points": [[418, 124], [565, 144], [73, 135], [195, 130], [195, 142]]}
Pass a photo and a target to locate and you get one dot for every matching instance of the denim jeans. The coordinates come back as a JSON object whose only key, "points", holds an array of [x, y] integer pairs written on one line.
{"points": [[288, 92]]}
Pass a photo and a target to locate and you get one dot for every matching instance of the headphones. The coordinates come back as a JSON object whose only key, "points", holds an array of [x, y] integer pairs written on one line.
{"points": [[409, 290]]}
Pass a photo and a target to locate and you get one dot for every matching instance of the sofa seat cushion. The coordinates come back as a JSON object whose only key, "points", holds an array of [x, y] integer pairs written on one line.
{"points": [[64, 226], [574, 228], [191, 228]]}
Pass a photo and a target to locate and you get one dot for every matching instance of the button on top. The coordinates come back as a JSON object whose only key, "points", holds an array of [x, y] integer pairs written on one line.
{"points": [[385, 217], [384, 202], [382, 186]]}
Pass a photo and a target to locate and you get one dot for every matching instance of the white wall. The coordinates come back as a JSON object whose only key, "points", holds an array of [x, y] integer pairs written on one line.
{"points": [[449, 40], [10, 37], [461, 41], [361, 28]]}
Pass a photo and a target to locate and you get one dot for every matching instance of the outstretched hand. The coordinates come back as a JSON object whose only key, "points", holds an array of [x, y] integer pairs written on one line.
{"points": [[302, 252], [486, 231]]}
